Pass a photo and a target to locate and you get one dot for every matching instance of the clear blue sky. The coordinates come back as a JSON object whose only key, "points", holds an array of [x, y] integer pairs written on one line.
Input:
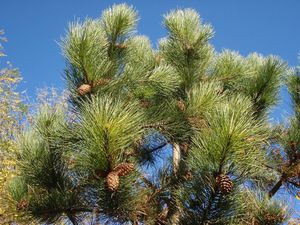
{"points": [[34, 26]]}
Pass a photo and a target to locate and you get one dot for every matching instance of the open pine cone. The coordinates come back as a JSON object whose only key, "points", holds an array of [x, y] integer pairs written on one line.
{"points": [[124, 169], [224, 183], [112, 181]]}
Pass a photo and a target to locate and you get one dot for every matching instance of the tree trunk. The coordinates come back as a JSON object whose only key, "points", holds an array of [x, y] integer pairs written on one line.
{"points": [[176, 158], [174, 207]]}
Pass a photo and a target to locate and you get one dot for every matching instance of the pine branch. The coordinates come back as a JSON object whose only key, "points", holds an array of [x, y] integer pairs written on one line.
{"points": [[208, 207], [73, 220], [276, 187], [283, 178], [158, 147]]}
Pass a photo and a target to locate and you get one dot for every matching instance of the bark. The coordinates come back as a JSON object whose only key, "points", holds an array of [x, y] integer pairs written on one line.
{"points": [[176, 158], [72, 219], [174, 212]]}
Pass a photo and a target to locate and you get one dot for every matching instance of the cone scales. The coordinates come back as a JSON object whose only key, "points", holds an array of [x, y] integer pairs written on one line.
{"points": [[112, 181], [84, 89], [113, 178], [124, 169], [224, 183]]}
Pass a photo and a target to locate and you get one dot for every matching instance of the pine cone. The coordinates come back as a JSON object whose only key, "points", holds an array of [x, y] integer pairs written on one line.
{"points": [[188, 175], [158, 58], [112, 181], [121, 46], [196, 122], [84, 89], [184, 147], [144, 103], [123, 169], [22, 204], [180, 104], [101, 82], [162, 216], [293, 145], [224, 183], [272, 219]]}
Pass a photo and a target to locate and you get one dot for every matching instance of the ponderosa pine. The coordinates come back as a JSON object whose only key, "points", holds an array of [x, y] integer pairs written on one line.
{"points": [[130, 103]]}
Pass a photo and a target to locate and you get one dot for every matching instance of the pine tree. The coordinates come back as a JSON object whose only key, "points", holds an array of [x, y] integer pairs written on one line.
{"points": [[130, 102]]}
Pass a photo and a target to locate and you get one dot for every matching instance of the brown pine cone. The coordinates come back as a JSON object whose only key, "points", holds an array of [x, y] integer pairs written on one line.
{"points": [[84, 89], [180, 104], [120, 46], [101, 82], [112, 181], [293, 145], [158, 58], [224, 183], [162, 216], [124, 169], [22, 204], [197, 122], [184, 147], [144, 103], [188, 175]]}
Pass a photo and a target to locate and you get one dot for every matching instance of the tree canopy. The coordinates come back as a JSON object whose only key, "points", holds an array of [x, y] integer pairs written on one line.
{"points": [[96, 160]]}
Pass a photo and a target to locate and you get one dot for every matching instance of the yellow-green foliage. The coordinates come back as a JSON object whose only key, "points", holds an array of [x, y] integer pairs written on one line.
{"points": [[11, 112]]}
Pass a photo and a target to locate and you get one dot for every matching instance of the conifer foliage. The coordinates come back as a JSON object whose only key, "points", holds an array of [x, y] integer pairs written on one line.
{"points": [[129, 102]]}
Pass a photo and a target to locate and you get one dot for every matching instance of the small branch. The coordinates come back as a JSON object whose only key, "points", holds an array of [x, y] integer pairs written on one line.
{"points": [[210, 202], [296, 184], [283, 178], [72, 219], [149, 183], [276, 187], [154, 125], [158, 147]]}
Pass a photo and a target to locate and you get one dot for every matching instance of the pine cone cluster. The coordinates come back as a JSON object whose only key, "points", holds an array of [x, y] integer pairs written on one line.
{"points": [[224, 183], [113, 178]]}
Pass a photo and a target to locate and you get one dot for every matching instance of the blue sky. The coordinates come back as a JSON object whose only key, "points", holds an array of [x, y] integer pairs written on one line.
{"points": [[33, 28]]}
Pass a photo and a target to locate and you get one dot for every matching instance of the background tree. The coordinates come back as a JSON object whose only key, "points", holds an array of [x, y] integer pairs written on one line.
{"points": [[12, 110], [130, 102]]}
